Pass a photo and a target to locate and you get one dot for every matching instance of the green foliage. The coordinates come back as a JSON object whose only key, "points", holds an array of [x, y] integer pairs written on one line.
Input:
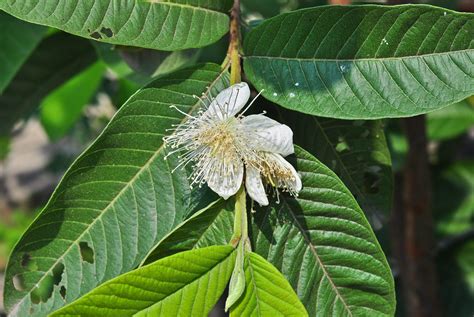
{"points": [[356, 150], [454, 215], [177, 24], [56, 60], [185, 284], [324, 233], [210, 226], [361, 62], [451, 121], [18, 39], [119, 198], [267, 292], [61, 109]]}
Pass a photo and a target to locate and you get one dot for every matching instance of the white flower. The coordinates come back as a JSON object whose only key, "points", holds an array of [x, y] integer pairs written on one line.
{"points": [[223, 147]]}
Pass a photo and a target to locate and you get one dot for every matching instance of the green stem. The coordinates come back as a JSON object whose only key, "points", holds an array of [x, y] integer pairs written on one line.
{"points": [[240, 218]]}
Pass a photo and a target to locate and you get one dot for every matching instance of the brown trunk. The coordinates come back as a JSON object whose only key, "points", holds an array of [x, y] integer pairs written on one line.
{"points": [[413, 222]]}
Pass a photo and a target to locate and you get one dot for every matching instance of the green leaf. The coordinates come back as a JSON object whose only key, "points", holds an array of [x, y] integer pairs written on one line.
{"points": [[454, 214], [211, 226], [238, 279], [115, 202], [63, 107], [140, 65], [267, 292], [361, 62], [165, 25], [185, 284], [457, 283], [324, 246], [356, 150], [19, 39], [58, 58], [451, 121]]}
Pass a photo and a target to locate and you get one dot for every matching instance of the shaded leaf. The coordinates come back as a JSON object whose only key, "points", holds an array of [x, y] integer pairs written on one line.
{"points": [[119, 198], [267, 292], [324, 246], [63, 107], [58, 58], [454, 214], [185, 284], [210, 226], [356, 150], [360, 62], [165, 25], [19, 39], [451, 121]]}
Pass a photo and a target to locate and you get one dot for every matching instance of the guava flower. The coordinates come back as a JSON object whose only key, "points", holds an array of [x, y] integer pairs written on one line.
{"points": [[224, 147]]}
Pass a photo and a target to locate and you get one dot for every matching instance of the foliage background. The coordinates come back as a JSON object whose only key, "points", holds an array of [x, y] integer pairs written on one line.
{"points": [[73, 110]]}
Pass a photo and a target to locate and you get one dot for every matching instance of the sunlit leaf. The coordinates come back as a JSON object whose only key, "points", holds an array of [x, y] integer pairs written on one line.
{"points": [[451, 121], [360, 62], [185, 284], [61, 109], [267, 292], [165, 25]]}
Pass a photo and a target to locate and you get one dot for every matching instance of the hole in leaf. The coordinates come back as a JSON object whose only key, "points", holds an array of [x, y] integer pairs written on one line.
{"points": [[19, 283], [107, 32], [43, 291], [62, 292], [87, 254], [27, 263], [96, 35]]}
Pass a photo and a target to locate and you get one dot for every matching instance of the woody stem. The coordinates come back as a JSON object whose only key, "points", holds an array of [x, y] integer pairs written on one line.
{"points": [[234, 45]]}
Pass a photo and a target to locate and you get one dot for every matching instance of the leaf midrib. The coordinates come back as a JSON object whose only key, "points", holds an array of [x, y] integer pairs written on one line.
{"points": [[313, 250], [171, 4], [371, 59], [119, 194]]}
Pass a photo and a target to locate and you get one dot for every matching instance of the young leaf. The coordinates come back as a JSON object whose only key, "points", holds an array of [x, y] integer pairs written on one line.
{"points": [[267, 292], [58, 58], [63, 107], [361, 62], [356, 150], [19, 39], [324, 246], [116, 201], [165, 25], [451, 121], [210, 226], [185, 284]]}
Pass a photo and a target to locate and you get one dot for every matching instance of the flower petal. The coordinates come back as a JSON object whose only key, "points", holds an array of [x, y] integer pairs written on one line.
{"points": [[254, 186], [224, 176], [271, 135], [288, 177], [229, 101]]}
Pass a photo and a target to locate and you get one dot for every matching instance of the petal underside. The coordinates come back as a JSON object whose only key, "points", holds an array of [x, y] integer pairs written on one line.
{"points": [[254, 186], [270, 135]]}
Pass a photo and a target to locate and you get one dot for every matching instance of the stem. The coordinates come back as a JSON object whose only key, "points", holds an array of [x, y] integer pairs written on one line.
{"points": [[234, 45], [413, 218], [240, 219]]}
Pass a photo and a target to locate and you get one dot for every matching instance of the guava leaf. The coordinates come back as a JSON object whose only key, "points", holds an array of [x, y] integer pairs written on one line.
{"points": [[165, 25], [115, 202], [185, 284], [324, 246], [363, 62]]}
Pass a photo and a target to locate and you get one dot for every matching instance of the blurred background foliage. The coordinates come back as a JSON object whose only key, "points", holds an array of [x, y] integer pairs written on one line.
{"points": [[62, 90]]}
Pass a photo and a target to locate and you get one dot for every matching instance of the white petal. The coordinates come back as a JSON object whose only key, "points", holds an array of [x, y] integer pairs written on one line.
{"points": [[271, 136], [254, 186], [225, 177], [294, 182], [229, 101]]}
